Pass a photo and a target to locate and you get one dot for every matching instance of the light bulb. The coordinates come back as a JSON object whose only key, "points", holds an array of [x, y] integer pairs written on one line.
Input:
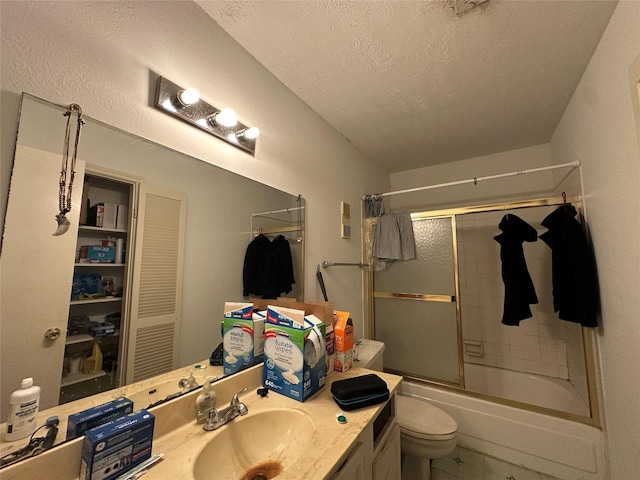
{"points": [[225, 117], [249, 133], [188, 96]]}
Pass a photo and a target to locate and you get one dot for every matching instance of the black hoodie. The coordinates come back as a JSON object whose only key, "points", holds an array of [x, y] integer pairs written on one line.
{"points": [[519, 291]]}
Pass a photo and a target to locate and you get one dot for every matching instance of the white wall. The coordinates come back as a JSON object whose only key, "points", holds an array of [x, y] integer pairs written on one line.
{"points": [[598, 127], [105, 56]]}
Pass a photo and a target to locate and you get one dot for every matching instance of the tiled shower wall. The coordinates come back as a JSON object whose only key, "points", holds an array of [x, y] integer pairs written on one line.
{"points": [[542, 344]]}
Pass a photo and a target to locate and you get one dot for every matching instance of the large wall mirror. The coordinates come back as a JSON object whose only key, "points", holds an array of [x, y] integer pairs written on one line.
{"points": [[222, 214]]}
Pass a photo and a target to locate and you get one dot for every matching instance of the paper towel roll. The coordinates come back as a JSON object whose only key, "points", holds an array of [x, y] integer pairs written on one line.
{"points": [[119, 248]]}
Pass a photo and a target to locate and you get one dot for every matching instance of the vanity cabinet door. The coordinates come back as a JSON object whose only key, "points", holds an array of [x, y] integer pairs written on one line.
{"points": [[354, 467], [386, 465]]}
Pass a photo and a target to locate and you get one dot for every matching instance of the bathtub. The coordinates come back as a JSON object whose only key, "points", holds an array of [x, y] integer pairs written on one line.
{"points": [[554, 446], [524, 387]]}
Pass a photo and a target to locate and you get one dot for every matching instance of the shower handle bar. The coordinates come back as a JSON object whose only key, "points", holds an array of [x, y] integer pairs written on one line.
{"points": [[326, 264]]}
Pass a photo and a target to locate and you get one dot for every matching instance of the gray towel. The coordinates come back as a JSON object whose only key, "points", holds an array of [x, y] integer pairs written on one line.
{"points": [[393, 238]]}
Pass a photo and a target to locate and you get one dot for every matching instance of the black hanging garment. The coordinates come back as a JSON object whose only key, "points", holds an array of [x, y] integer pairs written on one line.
{"points": [[573, 268], [268, 267], [519, 291], [281, 278], [254, 271]]}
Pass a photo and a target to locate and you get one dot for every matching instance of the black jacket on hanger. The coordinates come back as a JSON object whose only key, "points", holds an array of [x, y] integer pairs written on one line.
{"points": [[573, 268], [519, 291], [268, 267], [254, 271]]}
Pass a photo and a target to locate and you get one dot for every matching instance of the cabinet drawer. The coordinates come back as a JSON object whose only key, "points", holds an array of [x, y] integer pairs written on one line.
{"points": [[386, 464]]}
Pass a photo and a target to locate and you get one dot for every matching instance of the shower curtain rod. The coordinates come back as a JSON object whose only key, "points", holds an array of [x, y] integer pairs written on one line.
{"points": [[284, 210], [475, 180]]}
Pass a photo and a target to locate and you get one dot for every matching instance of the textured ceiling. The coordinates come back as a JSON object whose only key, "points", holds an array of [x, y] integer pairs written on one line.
{"points": [[412, 84]]}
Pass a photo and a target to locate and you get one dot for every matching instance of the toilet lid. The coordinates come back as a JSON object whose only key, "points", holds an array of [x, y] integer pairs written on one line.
{"points": [[423, 419]]}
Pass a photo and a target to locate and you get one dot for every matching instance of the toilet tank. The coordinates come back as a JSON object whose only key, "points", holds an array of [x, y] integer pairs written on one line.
{"points": [[368, 354]]}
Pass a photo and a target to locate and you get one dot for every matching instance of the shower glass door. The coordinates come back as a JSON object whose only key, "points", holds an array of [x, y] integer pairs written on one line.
{"points": [[416, 311]]}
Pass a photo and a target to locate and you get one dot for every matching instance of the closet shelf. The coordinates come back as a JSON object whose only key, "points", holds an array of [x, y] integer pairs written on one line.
{"points": [[96, 300], [100, 265], [85, 337], [100, 229], [74, 378]]}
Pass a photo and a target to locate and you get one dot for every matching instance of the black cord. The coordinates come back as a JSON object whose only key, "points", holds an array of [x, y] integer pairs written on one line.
{"points": [[34, 444]]}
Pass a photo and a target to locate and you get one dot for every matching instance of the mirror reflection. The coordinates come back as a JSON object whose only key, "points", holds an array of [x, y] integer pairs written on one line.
{"points": [[173, 232]]}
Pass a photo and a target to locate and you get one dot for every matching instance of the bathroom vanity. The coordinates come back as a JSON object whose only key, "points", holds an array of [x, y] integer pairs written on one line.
{"points": [[300, 440]]}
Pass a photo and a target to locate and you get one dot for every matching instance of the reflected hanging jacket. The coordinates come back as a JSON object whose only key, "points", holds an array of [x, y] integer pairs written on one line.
{"points": [[268, 267], [573, 268], [519, 291]]}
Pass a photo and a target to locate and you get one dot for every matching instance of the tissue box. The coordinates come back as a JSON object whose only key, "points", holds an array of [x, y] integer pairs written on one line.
{"points": [[80, 422], [114, 448], [294, 353], [242, 337], [343, 327]]}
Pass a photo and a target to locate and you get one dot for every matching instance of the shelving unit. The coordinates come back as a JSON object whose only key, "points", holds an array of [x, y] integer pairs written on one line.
{"points": [[99, 188]]}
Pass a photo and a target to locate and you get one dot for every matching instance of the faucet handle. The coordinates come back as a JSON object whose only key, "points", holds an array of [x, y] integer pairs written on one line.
{"points": [[235, 400], [211, 421]]}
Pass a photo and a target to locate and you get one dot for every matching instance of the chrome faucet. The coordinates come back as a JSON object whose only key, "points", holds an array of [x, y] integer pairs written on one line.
{"points": [[188, 384], [217, 419]]}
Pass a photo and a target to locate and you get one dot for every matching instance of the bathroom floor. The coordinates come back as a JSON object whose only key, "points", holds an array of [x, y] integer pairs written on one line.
{"points": [[465, 464]]}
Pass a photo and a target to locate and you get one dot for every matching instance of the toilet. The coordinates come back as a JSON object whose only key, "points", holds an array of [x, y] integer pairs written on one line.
{"points": [[426, 432]]}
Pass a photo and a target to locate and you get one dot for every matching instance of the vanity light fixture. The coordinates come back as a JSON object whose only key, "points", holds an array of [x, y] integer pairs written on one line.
{"points": [[187, 105], [188, 97], [225, 117], [248, 134]]}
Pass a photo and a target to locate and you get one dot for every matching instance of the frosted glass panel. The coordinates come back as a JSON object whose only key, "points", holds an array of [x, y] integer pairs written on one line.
{"points": [[432, 270], [420, 338]]}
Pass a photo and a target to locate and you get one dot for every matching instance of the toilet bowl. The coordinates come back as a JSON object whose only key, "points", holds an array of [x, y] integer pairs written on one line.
{"points": [[426, 432]]}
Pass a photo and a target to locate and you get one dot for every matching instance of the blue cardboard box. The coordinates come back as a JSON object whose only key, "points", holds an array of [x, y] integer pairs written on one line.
{"points": [[80, 422], [116, 447], [97, 254]]}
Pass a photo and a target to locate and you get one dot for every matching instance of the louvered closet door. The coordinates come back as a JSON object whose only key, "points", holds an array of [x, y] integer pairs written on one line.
{"points": [[156, 296]]}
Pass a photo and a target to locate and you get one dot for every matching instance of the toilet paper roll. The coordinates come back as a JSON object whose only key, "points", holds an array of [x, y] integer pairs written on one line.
{"points": [[119, 250]]}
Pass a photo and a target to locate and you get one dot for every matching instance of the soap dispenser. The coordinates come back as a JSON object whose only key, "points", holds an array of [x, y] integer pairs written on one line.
{"points": [[205, 401]]}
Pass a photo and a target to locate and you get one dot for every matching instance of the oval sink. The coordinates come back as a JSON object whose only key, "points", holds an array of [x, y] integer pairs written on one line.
{"points": [[258, 446]]}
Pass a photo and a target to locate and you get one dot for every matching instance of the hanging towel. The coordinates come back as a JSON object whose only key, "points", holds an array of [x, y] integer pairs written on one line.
{"points": [[519, 292], [393, 238], [573, 268]]}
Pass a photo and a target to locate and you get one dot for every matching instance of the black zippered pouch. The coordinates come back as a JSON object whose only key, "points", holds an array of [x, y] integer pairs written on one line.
{"points": [[360, 392]]}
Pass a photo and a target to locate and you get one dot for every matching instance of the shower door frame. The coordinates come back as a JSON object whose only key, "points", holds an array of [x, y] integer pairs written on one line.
{"points": [[588, 335]]}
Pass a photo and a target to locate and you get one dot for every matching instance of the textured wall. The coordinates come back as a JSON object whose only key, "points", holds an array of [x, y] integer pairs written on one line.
{"points": [[105, 55], [599, 128]]}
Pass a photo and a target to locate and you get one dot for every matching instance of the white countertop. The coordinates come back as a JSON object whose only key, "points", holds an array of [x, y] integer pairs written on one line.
{"points": [[180, 439]]}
